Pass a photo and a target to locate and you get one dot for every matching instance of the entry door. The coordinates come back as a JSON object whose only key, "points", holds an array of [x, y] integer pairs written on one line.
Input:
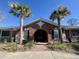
{"points": [[40, 36]]}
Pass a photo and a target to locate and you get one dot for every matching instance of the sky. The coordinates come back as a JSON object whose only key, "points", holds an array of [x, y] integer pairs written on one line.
{"points": [[39, 9]]}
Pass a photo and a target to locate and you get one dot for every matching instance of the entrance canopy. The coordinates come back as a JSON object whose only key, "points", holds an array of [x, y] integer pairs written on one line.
{"points": [[41, 36]]}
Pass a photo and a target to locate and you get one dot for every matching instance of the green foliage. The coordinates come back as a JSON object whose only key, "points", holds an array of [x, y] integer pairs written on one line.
{"points": [[69, 45], [50, 45], [59, 13], [29, 45], [11, 47], [19, 10], [54, 15], [60, 46], [63, 10]]}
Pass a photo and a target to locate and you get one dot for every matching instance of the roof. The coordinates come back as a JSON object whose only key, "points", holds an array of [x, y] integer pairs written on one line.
{"points": [[71, 27], [42, 19], [9, 28], [37, 20]]}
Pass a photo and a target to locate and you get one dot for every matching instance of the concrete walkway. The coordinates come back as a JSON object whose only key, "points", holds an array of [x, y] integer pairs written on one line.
{"points": [[37, 55]]}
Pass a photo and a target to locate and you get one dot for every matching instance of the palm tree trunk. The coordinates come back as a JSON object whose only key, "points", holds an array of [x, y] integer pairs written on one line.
{"points": [[59, 30], [21, 30]]}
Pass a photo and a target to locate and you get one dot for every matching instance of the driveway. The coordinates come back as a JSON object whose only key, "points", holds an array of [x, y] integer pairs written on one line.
{"points": [[37, 55]]}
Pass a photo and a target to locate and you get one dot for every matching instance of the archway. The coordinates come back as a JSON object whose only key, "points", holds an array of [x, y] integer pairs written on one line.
{"points": [[41, 36]]}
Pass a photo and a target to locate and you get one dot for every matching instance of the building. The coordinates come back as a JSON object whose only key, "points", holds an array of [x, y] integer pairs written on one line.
{"points": [[40, 30]]}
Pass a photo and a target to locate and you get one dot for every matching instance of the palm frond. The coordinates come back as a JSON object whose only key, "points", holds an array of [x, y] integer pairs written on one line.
{"points": [[20, 10], [30, 14], [11, 11], [54, 15], [63, 10]]}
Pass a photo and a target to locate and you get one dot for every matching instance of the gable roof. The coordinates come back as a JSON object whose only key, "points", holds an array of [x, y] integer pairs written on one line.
{"points": [[41, 19], [12, 28], [71, 27], [38, 20]]}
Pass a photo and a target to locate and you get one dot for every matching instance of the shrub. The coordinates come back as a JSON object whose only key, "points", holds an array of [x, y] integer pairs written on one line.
{"points": [[11, 47], [29, 45], [50, 45], [69, 45], [59, 46]]}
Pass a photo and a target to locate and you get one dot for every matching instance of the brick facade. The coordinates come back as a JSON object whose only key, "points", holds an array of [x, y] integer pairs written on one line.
{"points": [[33, 27]]}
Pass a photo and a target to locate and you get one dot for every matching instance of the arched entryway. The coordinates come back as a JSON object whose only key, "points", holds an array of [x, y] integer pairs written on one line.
{"points": [[41, 36]]}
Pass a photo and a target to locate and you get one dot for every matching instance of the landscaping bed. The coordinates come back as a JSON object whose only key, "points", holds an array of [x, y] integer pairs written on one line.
{"points": [[64, 47], [13, 46]]}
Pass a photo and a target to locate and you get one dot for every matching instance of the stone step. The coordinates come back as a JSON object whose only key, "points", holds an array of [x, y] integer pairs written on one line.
{"points": [[40, 47]]}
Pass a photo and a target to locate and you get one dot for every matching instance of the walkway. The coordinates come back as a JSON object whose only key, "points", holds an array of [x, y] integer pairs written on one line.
{"points": [[40, 47], [38, 55]]}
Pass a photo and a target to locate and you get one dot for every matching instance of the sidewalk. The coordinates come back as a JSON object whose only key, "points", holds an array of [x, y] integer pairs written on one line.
{"points": [[37, 55]]}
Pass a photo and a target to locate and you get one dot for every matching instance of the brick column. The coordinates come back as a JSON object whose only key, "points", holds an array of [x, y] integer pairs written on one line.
{"points": [[50, 38]]}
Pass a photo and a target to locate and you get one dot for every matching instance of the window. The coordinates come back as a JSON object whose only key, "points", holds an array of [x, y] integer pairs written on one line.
{"points": [[56, 34], [26, 34], [75, 33], [5, 33]]}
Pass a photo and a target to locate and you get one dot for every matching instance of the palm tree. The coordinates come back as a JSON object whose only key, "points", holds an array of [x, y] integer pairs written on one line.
{"points": [[20, 11], [58, 14]]}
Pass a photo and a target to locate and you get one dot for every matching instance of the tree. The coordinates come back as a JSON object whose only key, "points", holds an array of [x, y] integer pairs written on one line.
{"points": [[58, 14], [73, 21], [20, 11]]}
